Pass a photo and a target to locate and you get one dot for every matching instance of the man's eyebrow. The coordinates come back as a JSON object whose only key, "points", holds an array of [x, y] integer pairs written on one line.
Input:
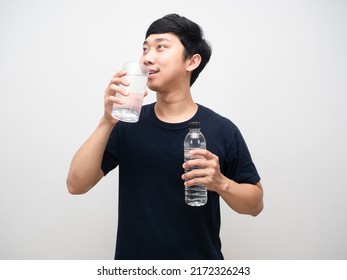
{"points": [[157, 40]]}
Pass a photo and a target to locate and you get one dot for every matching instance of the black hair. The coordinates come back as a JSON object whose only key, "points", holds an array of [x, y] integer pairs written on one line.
{"points": [[190, 34]]}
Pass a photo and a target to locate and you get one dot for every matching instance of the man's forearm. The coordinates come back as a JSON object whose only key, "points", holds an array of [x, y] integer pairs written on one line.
{"points": [[243, 198], [85, 169]]}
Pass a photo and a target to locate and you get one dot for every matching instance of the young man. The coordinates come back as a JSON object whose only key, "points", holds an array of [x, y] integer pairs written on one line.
{"points": [[154, 221]]}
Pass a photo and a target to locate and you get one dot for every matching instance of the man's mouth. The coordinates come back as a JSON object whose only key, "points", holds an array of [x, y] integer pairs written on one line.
{"points": [[152, 71]]}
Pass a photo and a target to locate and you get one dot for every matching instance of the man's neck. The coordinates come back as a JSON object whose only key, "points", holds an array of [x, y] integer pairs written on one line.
{"points": [[175, 107]]}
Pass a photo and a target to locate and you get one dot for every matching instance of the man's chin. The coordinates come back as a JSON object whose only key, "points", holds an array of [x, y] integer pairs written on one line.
{"points": [[153, 87]]}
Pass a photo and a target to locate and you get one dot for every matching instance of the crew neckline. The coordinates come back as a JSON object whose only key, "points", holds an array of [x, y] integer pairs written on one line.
{"points": [[173, 126]]}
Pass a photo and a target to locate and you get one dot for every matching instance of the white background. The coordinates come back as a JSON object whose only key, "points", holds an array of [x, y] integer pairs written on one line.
{"points": [[278, 70]]}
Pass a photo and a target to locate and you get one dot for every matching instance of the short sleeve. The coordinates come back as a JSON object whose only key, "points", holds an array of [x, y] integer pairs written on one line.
{"points": [[240, 166], [110, 158]]}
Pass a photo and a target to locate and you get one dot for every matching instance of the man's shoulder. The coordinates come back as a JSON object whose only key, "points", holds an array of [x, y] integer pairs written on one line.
{"points": [[215, 118]]}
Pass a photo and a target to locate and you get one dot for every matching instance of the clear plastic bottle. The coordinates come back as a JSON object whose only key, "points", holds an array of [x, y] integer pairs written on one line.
{"points": [[194, 195]]}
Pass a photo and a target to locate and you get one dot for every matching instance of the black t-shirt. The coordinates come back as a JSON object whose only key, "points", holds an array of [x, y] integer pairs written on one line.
{"points": [[153, 220]]}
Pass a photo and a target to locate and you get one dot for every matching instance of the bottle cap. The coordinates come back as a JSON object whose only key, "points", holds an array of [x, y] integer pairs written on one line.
{"points": [[194, 125]]}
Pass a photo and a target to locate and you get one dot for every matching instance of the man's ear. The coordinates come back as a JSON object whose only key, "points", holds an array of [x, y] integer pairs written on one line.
{"points": [[193, 62]]}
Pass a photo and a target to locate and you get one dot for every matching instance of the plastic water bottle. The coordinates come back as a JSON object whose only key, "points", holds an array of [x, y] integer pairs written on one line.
{"points": [[194, 195]]}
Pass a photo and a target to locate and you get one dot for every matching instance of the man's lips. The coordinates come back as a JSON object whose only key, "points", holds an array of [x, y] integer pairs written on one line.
{"points": [[152, 72]]}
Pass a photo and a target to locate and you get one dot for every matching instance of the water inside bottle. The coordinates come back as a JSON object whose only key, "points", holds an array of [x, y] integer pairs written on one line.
{"points": [[196, 195]]}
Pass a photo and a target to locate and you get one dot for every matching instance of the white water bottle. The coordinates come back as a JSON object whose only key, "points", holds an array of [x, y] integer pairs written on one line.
{"points": [[194, 195]]}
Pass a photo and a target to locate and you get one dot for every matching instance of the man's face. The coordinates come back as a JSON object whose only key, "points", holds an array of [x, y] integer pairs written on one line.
{"points": [[163, 56]]}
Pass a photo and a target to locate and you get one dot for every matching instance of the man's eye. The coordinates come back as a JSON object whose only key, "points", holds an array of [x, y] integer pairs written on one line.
{"points": [[159, 47]]}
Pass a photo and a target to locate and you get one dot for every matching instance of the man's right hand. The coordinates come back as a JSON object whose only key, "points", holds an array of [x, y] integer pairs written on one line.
{"points": [[110, 94]]}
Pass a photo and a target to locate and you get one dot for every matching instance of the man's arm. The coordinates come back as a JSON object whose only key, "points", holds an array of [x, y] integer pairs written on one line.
{"points": [[85, 169], [242, 198]]}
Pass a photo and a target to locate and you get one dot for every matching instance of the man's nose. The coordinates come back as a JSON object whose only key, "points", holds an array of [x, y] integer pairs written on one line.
{"points": [[148, 58]]}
